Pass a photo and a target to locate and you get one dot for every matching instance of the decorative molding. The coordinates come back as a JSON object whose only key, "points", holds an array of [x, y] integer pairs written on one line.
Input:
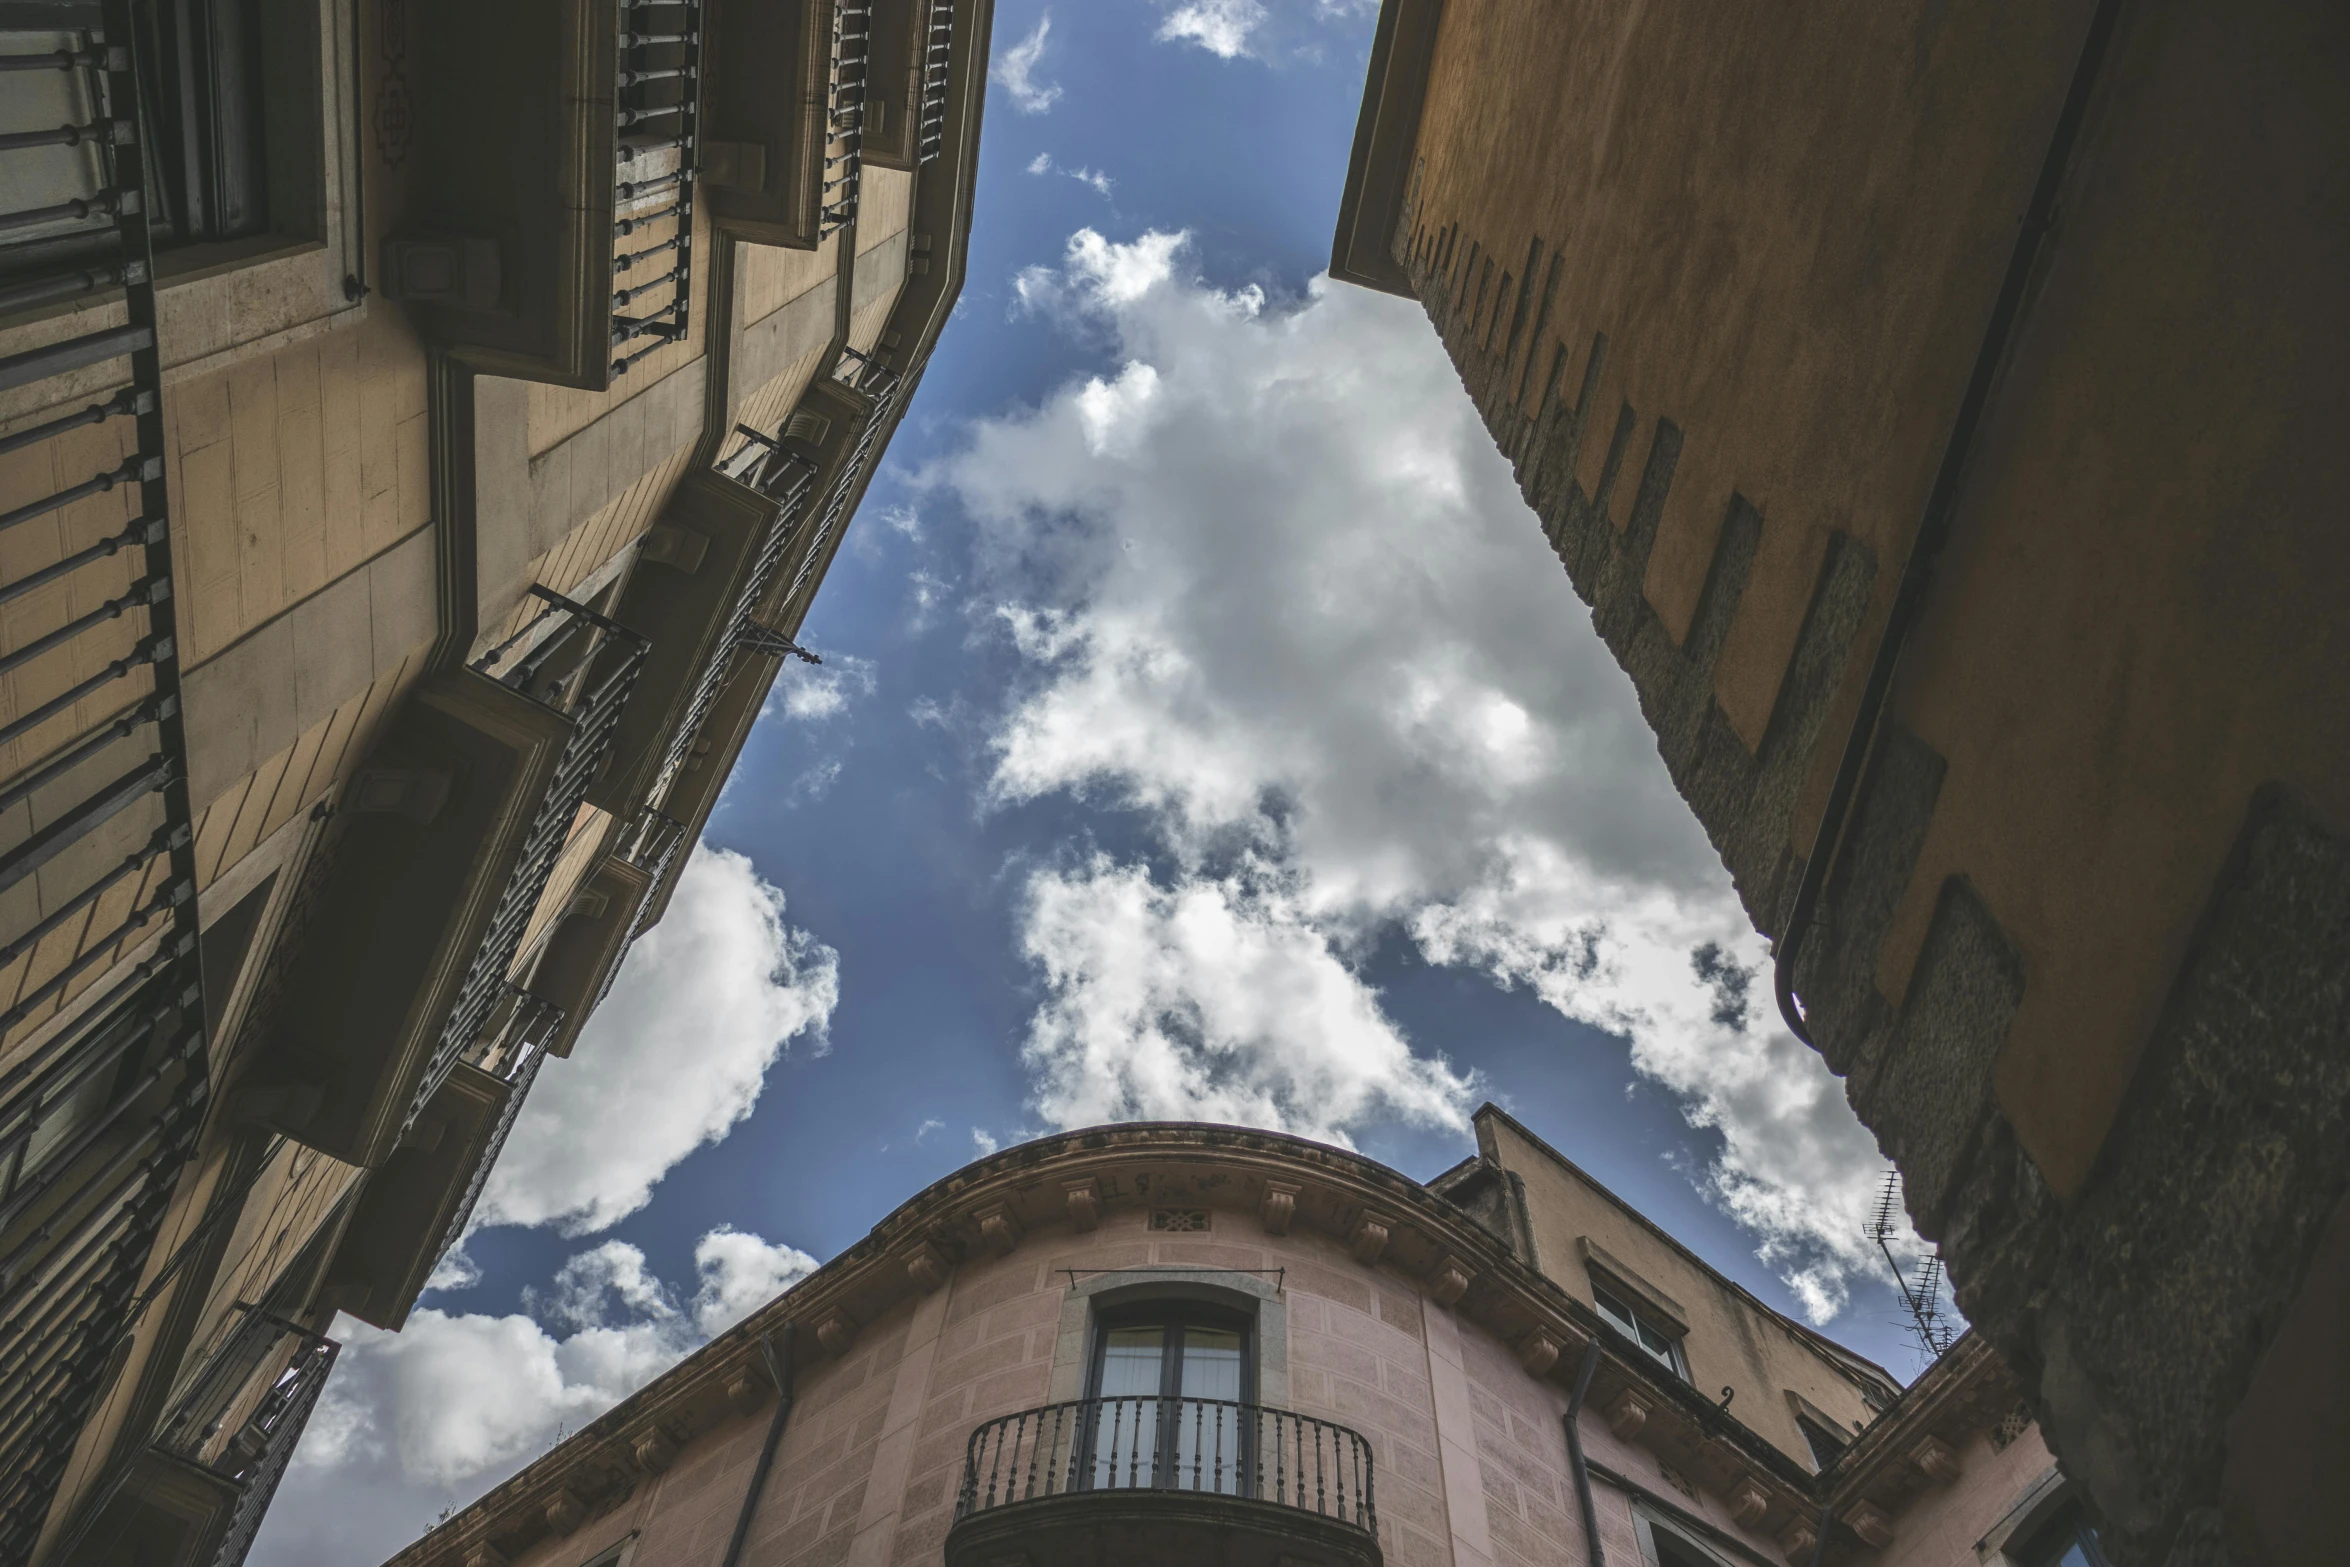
{"points": [[998, 1228], [1278, 1208], [1085, 1203], [837, 1333], [1934, 1457], [1369, 1241], [1627, 1415], [1869, 1522], [483, 1554], [1538, 1352], [746, 1390], [1797, 1542], [654, 1451], [565, 1511], [1749, 1502], [1450, 1281], [927, 1266]]}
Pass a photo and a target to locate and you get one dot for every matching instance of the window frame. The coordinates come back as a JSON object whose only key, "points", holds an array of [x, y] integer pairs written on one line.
{"points": [[1172, 1315], [1647, 1525], [1626, 1319]]}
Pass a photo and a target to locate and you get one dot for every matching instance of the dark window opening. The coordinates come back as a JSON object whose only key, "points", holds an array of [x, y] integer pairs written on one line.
{"points": [[224, 946], [1674, 1551], [2066, 1540], [1826, 1445]]}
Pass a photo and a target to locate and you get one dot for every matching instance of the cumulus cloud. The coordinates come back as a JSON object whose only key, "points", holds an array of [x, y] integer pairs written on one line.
{"points": [[985, 1141], [1278, 599], [1015, 71], [1101, 183], [812, 693], [675, 1056], [435, 1415], [1222, 27]]}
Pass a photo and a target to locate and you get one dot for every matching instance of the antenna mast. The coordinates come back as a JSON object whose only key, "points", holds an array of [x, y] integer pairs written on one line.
{"points": [[1922, 1295]]}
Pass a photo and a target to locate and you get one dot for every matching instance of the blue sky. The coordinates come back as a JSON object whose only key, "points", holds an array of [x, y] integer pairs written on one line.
{"points": [[1204, 729]]}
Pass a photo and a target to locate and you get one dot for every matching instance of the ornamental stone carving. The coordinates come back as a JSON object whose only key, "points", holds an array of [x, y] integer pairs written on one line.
{"points": [[1449, 1282], [1538, 1352], [1748, 1503], [1797, 1542], [1870, 1523], [1370, 1240], [1936, 1460], [927, 1266], [654, 1451], [836, 1334], [998, 1228], [1278, 1208], [565, 1511], [1085, 1204], [1627, 1415]]}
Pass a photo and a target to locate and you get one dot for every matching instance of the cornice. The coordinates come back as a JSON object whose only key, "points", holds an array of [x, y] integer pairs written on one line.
{"points": [[991, 1206]]}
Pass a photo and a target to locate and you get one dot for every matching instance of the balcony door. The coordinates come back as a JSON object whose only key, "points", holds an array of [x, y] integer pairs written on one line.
{"points": [[1170, 1383]]}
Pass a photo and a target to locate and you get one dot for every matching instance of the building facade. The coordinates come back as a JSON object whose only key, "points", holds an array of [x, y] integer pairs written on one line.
{"points": [[1924, 402], [1197, 1345], [423, 427]]}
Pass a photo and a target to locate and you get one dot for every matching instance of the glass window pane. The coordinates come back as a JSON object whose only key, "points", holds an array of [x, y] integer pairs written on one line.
{"points": [[1126, 1423], [1208, 1436]]}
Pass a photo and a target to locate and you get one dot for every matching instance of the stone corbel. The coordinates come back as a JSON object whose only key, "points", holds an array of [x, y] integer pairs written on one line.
{"points": [[1449, 1282], [1936, 1460], [1085, 1203], [654, 1451], [836, 1334], [1748, 1503], [998, 1228], [1538, 1352], [1369, 1240], [1278, 1208], [1870, 1523], [927, 1266], [746, 1390], [565, 1511], [483, 1554], [1797, 1542], [1627, 1415]]}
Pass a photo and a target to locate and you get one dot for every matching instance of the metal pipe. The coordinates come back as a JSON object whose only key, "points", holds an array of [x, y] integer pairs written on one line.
{"points": [[781, 1373], [1925, 551], [1575, 1462]]}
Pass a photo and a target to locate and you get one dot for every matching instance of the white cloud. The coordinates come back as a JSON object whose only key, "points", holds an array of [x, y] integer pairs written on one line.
{"points": [[1015, 71], [1043, 163], [1278, 595], [739, 1272], [435, 1415], [984, 1141], [812, 693], [1222, 27], [1211, 1001], [675, 1056]]}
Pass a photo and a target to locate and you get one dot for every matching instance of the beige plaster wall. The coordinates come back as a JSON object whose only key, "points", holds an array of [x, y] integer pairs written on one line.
{"points": [[1470, 1455], [1733, 1340]]}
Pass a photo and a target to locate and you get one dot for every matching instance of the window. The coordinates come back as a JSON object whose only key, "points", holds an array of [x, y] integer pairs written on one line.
{"points": [[1826, 1445], [1662, 1345], [1663, 1545], [2066, 1540], [1169, 1379]]}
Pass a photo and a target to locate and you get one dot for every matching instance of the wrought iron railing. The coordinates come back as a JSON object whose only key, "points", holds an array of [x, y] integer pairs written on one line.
{"points": [[887, 389], [583, 665], [844, 119], [659, 88], [98, 1118], [651, 842], [243, 1412], [513, 1052], [1208, 1445], [938, 37]]}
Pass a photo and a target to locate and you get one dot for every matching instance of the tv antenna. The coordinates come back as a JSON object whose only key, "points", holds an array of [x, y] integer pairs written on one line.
{"points": [[1921, 1293]]}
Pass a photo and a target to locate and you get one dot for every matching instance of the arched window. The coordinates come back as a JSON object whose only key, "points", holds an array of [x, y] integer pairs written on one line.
{"points": [[1169, 1383]]}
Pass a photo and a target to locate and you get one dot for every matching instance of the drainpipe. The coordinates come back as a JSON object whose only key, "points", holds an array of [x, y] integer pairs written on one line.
{"points": [[1573, 1418], [1917, 576], [783, 1397]]}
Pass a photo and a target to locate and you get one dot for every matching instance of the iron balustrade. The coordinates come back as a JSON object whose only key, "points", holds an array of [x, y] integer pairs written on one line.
{"points": [[844, 118], [651, 843], [106, 1080], [243, 1413], [1210, 1446], [938, 37], [888, 390], [658, 120], [583, 665], [788, 479], [514, 1054]]}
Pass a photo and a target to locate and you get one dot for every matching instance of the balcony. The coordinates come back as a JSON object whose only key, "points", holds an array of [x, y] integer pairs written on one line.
{"points": [[1165, 1482], [443, 849], [197, 1493], [104, 1078], [415, 1207], [550, 235], [785, 143]]}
